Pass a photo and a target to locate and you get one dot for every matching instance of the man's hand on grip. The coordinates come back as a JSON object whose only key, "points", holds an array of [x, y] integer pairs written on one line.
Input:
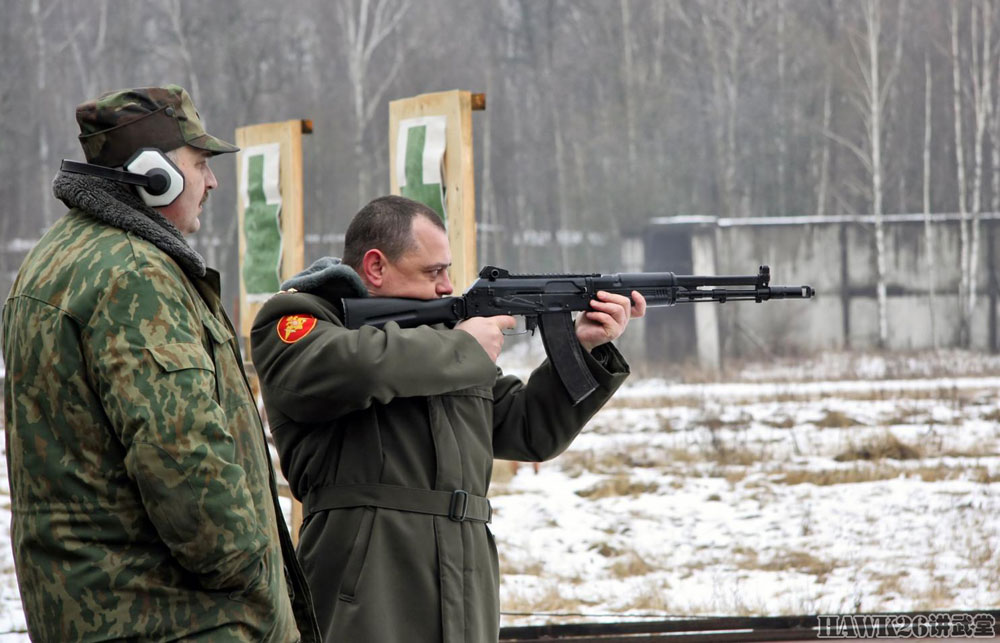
{"points": [[488, 331], [608, 319]]}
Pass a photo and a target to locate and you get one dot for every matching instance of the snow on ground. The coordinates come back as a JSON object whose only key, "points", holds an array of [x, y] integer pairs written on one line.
{"points": [[765, 496], [13, 627], [845, 483]]}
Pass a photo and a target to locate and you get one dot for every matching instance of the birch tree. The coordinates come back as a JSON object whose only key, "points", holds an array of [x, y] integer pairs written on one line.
{"points": [[870, 102], [928, 233], [873, 25], [956, 76], [822, 167], [982, 107], [367, 25]]}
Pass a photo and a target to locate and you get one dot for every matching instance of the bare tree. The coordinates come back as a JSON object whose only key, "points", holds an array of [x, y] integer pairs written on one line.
{"points": [[41, 88], [994, 132], [873, 19], [964, 283], [628, 73], [88, 54], [724, 41], [822, 171], [982, 107], [870, 102], [928, 236], [367, 25], [781, 110]]}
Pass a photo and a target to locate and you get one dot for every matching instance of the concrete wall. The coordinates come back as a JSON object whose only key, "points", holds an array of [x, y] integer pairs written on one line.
{"points": [[836, 256]]}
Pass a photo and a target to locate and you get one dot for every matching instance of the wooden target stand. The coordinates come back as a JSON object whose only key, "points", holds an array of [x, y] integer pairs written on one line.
{"points": [[456, 108], [457, 175], [287, 136]]}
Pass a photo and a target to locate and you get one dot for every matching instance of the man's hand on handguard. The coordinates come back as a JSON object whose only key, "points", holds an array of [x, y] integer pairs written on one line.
{"points": [[608, 319], [488, 331]]}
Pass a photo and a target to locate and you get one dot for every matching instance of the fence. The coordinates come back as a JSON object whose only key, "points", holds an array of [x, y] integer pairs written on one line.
{"points": [[836, 256]]}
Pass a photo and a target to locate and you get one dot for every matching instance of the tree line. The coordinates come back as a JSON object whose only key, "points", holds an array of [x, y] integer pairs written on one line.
{"points": [[600, 114]]}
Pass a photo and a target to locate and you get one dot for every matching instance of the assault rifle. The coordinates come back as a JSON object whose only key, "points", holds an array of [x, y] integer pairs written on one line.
{"points": [[547, 301]]}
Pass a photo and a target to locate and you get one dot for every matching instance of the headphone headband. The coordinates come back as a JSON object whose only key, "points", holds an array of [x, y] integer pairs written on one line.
{"points": [[158, 181], [142, 180]]}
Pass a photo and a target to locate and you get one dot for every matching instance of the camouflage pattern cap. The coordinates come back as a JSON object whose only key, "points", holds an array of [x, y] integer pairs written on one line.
{"points": [[115, 125]]}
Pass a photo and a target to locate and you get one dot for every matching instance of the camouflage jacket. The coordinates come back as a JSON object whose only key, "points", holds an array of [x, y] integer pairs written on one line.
{"points": [[143, 499]]}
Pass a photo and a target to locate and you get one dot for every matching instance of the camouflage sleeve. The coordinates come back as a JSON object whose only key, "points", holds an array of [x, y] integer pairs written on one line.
{"points": [[157, 386]]}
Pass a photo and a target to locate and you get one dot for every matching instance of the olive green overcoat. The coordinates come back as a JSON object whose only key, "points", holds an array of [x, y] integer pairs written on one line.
{"points": [[376, 431]]}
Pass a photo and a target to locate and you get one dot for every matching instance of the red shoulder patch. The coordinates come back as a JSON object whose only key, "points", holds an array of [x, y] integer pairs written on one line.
{"points": [[292, 328]]}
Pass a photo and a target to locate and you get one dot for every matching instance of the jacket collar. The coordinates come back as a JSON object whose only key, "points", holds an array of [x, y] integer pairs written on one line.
{"points": [[117, 205], [327, 277]]}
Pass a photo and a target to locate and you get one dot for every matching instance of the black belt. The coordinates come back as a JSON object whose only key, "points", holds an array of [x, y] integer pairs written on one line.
{"points": [[457, 505]]}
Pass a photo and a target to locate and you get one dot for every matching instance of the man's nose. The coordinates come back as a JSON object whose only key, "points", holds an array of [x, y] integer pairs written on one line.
{"points": [[210, 181], [444, 287]]}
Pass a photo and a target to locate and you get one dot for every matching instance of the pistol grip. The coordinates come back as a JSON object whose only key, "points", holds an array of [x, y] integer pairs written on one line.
{"points": [[566, 354]]}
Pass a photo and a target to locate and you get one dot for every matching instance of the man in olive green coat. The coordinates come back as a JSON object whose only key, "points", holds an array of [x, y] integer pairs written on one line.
{"points": [[388, 436], [143, 498]]}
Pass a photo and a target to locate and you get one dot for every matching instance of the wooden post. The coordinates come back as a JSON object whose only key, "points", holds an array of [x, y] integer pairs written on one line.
{"points": [[460, 196], [288, 136]]}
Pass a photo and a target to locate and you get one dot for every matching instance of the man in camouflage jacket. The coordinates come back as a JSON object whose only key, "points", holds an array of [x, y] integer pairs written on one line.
{"points": [[143, 499]]}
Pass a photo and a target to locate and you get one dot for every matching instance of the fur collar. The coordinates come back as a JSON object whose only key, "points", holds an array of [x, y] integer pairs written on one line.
{"points": [[117, 205], [328, 278]]}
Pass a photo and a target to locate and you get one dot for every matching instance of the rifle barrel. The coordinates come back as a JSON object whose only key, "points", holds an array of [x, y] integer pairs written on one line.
{"points": [[723, 295]]}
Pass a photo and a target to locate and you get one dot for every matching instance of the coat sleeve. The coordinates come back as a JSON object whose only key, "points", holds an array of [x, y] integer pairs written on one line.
{"points": [[157, 386], [332, 371], [537, 421]]}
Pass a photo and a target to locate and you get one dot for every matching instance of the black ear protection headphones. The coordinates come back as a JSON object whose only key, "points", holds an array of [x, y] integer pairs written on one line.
{"points": [[157, 180]]}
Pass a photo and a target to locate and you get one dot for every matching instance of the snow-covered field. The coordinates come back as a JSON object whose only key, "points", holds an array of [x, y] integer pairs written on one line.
{"points": [[845, 483], [795, 490]]}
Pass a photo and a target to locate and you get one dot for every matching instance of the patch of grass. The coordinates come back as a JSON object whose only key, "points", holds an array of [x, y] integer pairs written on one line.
{"points": [[528, 567], [652, 597], [982, 475], [606, 550], [621, 461], [618, 486], [780, 422], [938, 595], [730, 473], [907, 417], [631, 565], [725, 456], [890, 585], [878, 472], [549, 600], [801, 561], [830, 477], [884, 446], [652, 402], [833, 419], [714, 421]]}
